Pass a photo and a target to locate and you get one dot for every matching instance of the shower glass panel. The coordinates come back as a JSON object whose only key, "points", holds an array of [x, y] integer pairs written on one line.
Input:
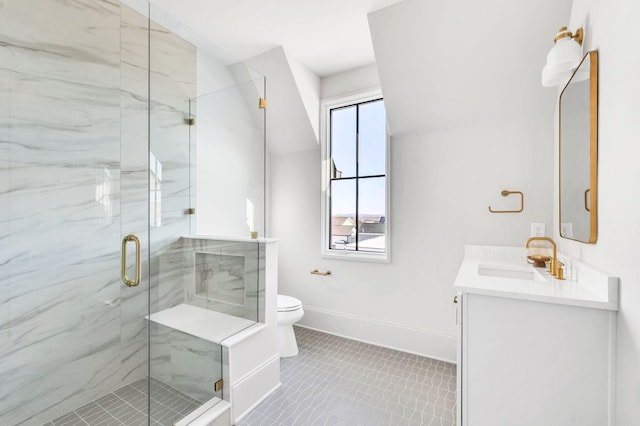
{"points": [[228, 136], [185, 364]]}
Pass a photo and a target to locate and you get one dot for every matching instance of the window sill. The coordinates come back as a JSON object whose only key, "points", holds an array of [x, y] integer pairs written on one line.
{"points": [[356, 256]]}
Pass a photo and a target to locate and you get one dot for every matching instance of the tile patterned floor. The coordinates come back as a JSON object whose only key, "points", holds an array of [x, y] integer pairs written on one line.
{"points": [[128, 406], [333, 381], [336, 381]]}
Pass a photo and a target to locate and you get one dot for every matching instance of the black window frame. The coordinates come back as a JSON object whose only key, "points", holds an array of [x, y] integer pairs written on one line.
{"points": [[357, 178]]}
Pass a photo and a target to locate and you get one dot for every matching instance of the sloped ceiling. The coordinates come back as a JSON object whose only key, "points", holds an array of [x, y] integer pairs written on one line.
{"points": [[441, 63], [461, 63], [289, 126], [327, 36]]}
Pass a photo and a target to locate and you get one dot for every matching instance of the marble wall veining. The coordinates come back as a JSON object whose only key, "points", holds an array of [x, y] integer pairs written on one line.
{"points": [[134, 194], [220, 278], [74, 140], [189, 363], [228, 260], [60, 205], [173, 84]]}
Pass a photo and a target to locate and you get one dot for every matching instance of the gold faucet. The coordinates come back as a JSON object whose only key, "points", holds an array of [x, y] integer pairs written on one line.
{"points": [[553, 263]]}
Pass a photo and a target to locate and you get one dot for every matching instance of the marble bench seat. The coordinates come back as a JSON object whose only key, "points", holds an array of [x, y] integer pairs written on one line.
{"points": [[203, 323]]}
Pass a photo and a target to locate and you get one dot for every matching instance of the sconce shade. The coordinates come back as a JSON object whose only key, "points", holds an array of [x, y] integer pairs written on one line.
{"points": [[563, 58]]}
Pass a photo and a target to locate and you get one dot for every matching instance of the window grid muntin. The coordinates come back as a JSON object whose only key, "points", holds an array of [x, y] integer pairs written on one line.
{"points": [[357, 176]]}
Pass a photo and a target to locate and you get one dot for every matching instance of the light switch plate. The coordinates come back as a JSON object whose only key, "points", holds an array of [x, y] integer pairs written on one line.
{"points": [[537, 229]]}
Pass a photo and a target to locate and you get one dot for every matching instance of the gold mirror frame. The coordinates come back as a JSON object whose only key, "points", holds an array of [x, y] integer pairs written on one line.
{"points": [[590, 196]]}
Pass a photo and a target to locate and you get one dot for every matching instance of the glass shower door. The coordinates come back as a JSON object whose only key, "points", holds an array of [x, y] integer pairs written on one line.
{"points": [[185, 369], [94, 147], [80, 170]]}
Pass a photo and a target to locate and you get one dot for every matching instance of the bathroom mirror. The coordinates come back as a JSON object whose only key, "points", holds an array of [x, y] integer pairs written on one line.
{"points": [[578, 126]]}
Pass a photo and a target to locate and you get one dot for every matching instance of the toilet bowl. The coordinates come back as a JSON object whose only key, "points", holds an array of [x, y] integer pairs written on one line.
{"points": [[289, 312]]}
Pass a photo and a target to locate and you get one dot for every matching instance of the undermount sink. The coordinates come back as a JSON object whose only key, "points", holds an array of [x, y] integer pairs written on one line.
{"points": [[499, 271], [504, 272]]}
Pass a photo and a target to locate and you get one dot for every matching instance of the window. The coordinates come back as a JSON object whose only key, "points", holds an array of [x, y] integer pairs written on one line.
{"points": [[355, 208]]}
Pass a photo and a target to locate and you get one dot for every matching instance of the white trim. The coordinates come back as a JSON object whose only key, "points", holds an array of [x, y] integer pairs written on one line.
{"points": [[252, 388], [414, 340], [361, 256], [325, 106], [258, 402], [613, 338]]}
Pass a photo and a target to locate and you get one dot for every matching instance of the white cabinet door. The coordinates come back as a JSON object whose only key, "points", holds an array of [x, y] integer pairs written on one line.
{"points": [[529, 363], [459, 300]]}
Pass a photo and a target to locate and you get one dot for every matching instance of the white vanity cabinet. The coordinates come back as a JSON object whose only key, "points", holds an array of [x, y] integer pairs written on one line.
{"points": [[534, 351]]}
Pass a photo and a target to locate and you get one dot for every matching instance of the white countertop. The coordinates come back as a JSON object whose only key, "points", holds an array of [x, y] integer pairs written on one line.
{"points": [[592, 288]]}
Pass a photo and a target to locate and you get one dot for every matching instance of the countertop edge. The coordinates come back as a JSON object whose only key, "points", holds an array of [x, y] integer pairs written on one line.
{"points": [[594, 304]]}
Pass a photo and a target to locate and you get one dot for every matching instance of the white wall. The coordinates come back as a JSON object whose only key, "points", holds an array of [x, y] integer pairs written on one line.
{"points": [[464, 63], [212, 74], [610, 29], [308, 85], [356, 80], [438, 203], [229, 166], [289, 125], [442, 181]]}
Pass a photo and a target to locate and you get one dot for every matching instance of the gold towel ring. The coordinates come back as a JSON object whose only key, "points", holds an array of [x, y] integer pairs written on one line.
{"points": [[505, 193]]}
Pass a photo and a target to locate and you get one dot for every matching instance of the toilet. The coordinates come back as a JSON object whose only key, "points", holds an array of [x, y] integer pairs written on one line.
{"points": [[289, 312]]}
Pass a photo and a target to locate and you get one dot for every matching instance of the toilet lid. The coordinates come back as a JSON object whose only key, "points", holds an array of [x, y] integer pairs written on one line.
{"points": [[288, 303]]}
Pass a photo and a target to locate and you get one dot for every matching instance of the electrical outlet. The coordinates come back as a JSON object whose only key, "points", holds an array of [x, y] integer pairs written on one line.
{"points": [[537, 229]]}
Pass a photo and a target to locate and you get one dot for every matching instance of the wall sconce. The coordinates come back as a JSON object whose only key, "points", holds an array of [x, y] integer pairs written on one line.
{"points": [[563, 58]]}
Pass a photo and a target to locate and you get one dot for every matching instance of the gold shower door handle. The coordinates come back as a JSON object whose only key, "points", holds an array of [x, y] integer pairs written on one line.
{"points": [[131, 282]]}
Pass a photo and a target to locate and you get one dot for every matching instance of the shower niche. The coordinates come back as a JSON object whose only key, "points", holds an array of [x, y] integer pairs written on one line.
{"points": [[220, 278]]}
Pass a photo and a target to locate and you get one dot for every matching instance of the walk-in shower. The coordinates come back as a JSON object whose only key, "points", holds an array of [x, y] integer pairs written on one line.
{"points": [[97, 106]]}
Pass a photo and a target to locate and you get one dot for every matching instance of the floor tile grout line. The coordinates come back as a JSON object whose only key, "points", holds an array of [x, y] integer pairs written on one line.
{"points": [[107, 411], [81, 418], [127, 402]]}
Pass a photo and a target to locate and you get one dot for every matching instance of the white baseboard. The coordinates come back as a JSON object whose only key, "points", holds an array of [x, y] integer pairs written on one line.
{"points": [[254, 387], [258, 402], [417, 341]]}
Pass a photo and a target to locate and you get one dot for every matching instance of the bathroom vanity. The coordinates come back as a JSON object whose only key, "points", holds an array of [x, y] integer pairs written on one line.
{"points": [[533, 350]]}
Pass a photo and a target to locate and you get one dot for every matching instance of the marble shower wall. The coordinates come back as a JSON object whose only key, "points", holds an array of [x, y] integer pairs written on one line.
{"points": [[60, 205], [220, 278], [73, 182], [134, 195], [189, 363], [173, 84], [226, 276]]}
